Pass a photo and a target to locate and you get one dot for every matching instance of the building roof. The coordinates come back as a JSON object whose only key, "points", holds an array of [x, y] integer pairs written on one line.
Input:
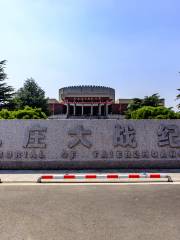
{"points": [[52, 100], [86, 86], [124, 100], [86, 91]]}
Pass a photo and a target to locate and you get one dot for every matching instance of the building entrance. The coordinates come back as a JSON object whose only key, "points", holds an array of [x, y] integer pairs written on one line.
{"points": [[78, 110], [95, 111], [87, 110]]}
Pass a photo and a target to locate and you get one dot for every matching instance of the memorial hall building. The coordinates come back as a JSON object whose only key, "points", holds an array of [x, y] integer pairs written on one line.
{"points": [[87, 102]]}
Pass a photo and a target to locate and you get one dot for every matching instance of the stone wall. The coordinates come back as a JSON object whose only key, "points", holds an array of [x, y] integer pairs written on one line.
{"points": [[89, 144]]}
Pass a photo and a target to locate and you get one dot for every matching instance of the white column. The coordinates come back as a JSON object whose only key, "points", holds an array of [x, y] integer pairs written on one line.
{"points": [[67, 109], [91, 110], [82, 112], [106, 109], [74, 109], [99, 111]]}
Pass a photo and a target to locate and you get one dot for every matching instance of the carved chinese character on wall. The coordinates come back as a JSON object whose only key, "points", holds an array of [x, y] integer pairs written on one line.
{"points": [[35, 137], [124, 136], [79, 136], [168, 135]]}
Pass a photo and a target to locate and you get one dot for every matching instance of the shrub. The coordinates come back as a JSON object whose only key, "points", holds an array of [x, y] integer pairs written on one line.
{"points": [[148, 112], [6, 114], [26, 113]]}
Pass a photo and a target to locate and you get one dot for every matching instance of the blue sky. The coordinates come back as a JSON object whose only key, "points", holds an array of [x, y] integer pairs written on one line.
{"points": [[130, 45]]}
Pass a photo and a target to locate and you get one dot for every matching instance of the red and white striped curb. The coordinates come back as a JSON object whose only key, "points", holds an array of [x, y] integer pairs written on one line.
{"points": [[103, 177]]}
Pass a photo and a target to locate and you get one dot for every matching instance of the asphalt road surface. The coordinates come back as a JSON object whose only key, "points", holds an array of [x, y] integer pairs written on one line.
{"points": [[111, 212]]}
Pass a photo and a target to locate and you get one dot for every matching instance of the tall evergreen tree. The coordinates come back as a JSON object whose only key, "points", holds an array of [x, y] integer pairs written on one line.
{"points": [[6, 92], [31, 95]]}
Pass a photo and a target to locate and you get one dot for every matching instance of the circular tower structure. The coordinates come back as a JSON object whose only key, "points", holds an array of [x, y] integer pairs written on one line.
{"points": [[87, 100]]}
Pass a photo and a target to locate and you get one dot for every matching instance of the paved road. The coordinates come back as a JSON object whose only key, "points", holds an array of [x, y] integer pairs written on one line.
{"points": [[112, 212]]}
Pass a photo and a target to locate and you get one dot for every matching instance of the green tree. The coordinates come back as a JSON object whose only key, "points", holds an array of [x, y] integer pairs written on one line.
{"points": [[31, 95], [153, 101], [178, 98], [135, 104], [6, 92]]}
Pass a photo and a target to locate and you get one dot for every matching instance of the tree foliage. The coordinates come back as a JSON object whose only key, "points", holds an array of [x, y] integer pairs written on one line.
{"points": [[153, 101], [135, 104], [178, 98], [31, 95], [6, 92], [148, 112], [26, 113]]}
